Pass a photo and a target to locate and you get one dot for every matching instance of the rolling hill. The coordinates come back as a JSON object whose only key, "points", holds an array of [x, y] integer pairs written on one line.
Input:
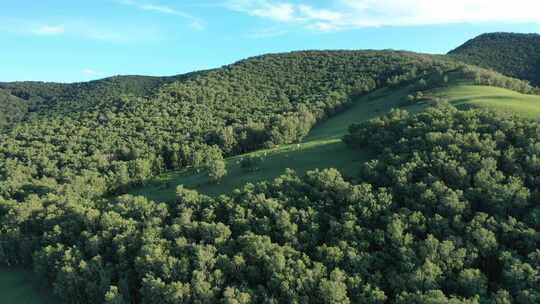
{"points": [[426, 202], [121, 141], [516, 55], [45, 98], [322, 148], [79, 144]]}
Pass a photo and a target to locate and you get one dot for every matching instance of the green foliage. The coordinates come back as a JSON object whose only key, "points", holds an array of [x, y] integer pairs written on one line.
{"points": [[516, 55], [122, 131], [50, 97], [113, 296], [12, 109], [445, 213], [216, 169], [473, 172]]}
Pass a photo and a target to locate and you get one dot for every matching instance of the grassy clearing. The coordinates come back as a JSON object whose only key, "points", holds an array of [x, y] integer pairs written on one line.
{"points": [[18, 286], [491, 97], [322, 148]]}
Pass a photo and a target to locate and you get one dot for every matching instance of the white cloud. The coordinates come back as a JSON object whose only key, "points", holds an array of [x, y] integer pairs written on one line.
{"points": [[197, 25], [48, 30], [159, 9], [81, 29], [343, 14], [280, 12], [311, 13], [194, 22], [323, 26], [424, 12], [263, 8], [90, 72]]}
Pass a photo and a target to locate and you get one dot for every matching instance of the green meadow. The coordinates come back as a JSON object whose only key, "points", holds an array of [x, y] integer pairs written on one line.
{"points": [[323, 148]]}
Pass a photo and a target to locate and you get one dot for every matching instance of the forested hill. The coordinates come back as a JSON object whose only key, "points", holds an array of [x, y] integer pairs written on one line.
{"points": [[120, 140], [29, 97], [95, 131], [422, 225], [516, 55]]}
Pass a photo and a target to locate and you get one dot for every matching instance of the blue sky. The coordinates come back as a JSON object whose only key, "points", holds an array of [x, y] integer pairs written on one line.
{"points": [[79, 40]]}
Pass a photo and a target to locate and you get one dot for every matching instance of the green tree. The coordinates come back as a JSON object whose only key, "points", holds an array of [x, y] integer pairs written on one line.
{"points": [[216, 169], [113, 296]]}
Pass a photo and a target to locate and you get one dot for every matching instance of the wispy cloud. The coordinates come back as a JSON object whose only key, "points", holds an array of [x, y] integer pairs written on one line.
{"points": [[111, 34], [90, 72], [345, 14], [49, 30], [80, 29], [266, 33], [288, 13], [283, 12], [194, 22], [425, 12]]}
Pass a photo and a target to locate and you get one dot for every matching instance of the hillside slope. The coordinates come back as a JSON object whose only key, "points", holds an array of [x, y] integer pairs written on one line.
{"points": [[322, 148], [12, 108], [492, 98], [259, 102], [61, 169], [51, 99], [516, 55]]}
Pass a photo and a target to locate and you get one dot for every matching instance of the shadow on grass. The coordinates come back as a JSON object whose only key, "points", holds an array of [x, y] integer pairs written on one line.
{"points": [[328, 154], [19, 286]]}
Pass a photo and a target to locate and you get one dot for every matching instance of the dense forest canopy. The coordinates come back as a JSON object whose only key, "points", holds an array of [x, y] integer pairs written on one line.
{"points": [[446, 212], [516, 55], [116, 141], [51, 98], [12, 109]]}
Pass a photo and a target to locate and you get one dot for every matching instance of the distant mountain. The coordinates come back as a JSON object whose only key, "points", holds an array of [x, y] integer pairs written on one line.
{"points": [[516, 55]]}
